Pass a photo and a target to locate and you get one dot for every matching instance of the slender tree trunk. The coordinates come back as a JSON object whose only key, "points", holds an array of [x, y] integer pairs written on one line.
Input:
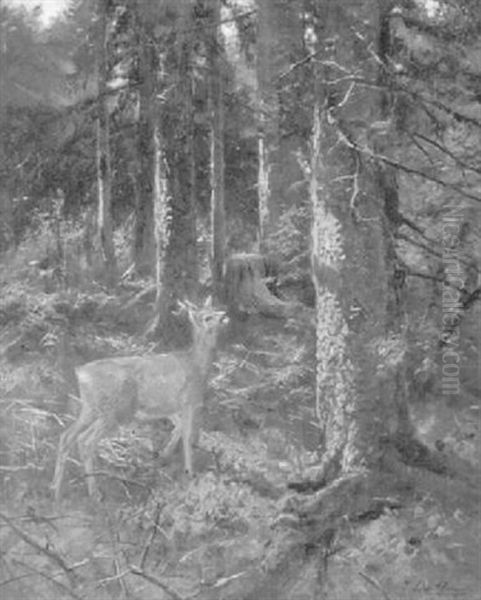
{"points": [[161, 212], [144, 255], [279, 46], [267, 112], [216, 93], [6, 223], [104, 171]]}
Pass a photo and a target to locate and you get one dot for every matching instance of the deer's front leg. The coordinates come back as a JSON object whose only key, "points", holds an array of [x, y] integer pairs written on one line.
{"points": [[174, 436], [190, 435], [87, 443]]}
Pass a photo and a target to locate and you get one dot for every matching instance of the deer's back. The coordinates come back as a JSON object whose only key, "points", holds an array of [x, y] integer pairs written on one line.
{"points": [[143, 386]]}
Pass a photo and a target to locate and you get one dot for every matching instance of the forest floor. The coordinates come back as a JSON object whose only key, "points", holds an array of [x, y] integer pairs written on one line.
{"points": [[156, 533]]}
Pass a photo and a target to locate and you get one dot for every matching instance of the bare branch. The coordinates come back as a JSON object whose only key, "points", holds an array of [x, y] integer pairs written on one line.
{"points": [[460, 162], [154, 580], [49, 578], [408, 239], [346, 95], [458, 116], [158, 512], [428, 249], [408, 169], [54, 556], [375, 584], [412, 171], [297, 64], [355, 185], [442, 280]]}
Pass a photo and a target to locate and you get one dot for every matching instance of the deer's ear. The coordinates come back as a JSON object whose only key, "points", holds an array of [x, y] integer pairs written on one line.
{"points": [[181, 307], [186, 305]]}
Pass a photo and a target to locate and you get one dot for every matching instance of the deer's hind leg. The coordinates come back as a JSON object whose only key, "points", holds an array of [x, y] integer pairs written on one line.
{"points": [[67, 440], [87, 444]]}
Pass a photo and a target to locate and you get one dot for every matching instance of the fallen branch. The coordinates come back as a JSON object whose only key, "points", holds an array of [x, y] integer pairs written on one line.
{"points": [[53, 556], [151, 579], [145, 552], [375, 584], [51, 579]]}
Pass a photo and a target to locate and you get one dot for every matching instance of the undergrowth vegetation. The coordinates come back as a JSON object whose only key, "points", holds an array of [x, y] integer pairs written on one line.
{"points": [[255, 420], [156, 530]]}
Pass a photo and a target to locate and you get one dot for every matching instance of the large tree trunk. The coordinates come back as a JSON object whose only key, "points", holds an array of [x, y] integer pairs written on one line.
{"points": [[104, 171], [181, 269], [360, 353], [217, 167], [360, 397]]}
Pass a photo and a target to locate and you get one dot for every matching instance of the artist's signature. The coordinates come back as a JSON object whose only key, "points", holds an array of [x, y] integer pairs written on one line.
{"points": [[442, 587]]}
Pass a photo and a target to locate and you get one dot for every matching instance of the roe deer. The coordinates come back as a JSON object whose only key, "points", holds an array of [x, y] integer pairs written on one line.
{"points": [[143, 388]]}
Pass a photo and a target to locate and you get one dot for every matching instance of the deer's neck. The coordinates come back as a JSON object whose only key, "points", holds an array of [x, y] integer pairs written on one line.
{"points": [[202, 357]]}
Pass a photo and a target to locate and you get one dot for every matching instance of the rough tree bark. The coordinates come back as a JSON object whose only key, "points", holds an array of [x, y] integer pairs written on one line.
{"points": [[279, 45], [161, 220], [104, 171], [181, 269], [360, 352], [267, 112], [217, 167], [5, 200], [144, 211]]}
